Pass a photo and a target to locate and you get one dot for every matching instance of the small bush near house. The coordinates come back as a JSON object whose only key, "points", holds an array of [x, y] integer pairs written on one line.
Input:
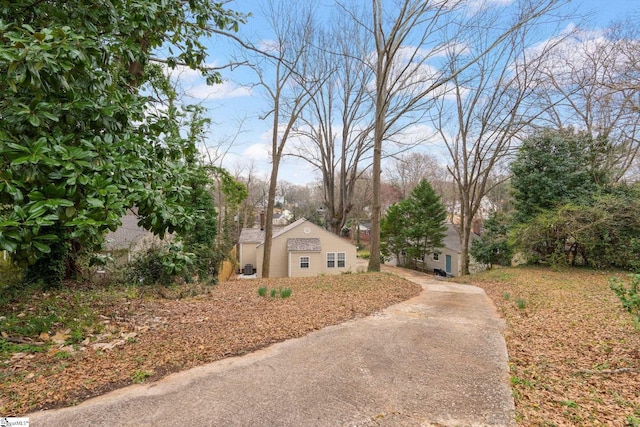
{"points": [[285, 293], [160, 264]]}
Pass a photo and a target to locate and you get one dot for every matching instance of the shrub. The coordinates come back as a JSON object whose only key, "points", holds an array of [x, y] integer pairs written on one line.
{"points": [[160, 264], [285, 293], [629, 296]]}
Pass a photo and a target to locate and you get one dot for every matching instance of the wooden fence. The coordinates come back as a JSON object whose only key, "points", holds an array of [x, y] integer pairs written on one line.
{"points": [[228, 267]]}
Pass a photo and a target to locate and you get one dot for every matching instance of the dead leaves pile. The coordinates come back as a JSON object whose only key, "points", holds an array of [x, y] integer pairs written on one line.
{"points": [[151, 337], [574, 352]]}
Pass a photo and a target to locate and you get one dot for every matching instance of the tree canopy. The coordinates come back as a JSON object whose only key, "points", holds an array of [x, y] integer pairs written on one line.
{"points": [[553, 167], [81, 138]]}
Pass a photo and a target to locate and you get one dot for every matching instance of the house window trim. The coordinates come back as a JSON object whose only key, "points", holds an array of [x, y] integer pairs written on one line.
{"points": [[308, 262], [336, 259], [436, 256], [331, 260]]}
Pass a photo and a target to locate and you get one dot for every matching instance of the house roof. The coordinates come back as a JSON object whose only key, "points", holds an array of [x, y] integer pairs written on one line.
{"points": [[256, 235], [127, 235], [281, 230], [251, 235], [452, 239], [311, 244]]}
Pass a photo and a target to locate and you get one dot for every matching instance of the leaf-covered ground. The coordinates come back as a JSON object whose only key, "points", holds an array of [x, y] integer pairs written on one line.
{"points": [[144, 338], [574, 352]]}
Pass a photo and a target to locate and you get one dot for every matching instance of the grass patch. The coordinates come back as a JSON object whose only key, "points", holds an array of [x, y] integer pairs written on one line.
{"points": [[285, 293], [140, 376], [282, 292], [364, 254]]}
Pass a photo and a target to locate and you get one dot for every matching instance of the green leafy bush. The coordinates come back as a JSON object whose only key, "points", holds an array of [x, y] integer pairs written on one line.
{"points": [[159, 265], [493, 247], [285, 293], [629, 296]]}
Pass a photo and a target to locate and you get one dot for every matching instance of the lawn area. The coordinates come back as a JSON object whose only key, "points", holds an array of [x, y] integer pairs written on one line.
{"points": [[574, 352], [61, 347]]}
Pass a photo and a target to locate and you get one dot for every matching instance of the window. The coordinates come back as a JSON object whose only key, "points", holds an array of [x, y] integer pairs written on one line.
{"points": [[304, 262], [331, 260], [436, 256], [340, 256]]}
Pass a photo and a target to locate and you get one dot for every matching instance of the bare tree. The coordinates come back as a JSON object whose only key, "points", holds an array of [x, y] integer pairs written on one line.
{"points": [[258, 191], [408, 169], [306, 201], [410, 38], [486, 110], [289, 91], [361, 211], [591, 83], [334, 130]]}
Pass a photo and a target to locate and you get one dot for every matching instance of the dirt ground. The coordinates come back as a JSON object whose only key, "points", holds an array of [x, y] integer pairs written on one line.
{"points": [[145, 339]]}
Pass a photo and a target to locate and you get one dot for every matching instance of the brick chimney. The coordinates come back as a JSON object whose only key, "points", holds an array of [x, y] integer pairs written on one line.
{"points": [[475, 226]]}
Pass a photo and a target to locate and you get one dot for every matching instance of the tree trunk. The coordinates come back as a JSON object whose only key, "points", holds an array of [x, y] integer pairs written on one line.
{"points": [[268, 227], [375, 258], [464, 243]]}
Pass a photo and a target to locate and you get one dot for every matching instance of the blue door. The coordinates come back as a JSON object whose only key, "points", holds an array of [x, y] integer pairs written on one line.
{"points": [[447, 264]]}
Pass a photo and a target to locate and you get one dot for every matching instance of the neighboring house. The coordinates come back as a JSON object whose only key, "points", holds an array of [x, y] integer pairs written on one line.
{"points": [[448, 258], [129, 238], [298, 250], [361, 232], [280, 219]]}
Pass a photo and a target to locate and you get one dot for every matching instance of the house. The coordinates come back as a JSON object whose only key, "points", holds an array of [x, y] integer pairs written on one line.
{"points": [[298, 250], [281, 219], [361, 232], [129, 239], [448, 258]]}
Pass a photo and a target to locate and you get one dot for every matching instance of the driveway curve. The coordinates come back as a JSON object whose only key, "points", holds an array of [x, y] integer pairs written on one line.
{"points": [[438, 359]]}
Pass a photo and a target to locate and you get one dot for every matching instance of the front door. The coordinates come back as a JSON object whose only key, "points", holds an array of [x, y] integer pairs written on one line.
{"points": [[447, 264]]}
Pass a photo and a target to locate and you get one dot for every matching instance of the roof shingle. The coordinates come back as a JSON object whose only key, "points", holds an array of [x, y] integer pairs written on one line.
{"points": [[311, 244]]}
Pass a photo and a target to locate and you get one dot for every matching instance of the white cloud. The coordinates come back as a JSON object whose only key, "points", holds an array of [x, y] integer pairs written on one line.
{"points": [[218, 91], [476, 5], [258, 152]]}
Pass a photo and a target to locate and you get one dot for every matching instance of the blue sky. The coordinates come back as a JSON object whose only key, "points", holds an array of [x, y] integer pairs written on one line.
{"points": [[243, 137]]}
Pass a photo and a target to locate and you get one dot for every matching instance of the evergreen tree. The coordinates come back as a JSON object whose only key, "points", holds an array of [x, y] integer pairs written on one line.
{"points": [[554, 167], [415, 226]]}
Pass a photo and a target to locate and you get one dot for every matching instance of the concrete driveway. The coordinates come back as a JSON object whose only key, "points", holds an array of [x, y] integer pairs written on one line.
{"points": [[436, 360]]}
